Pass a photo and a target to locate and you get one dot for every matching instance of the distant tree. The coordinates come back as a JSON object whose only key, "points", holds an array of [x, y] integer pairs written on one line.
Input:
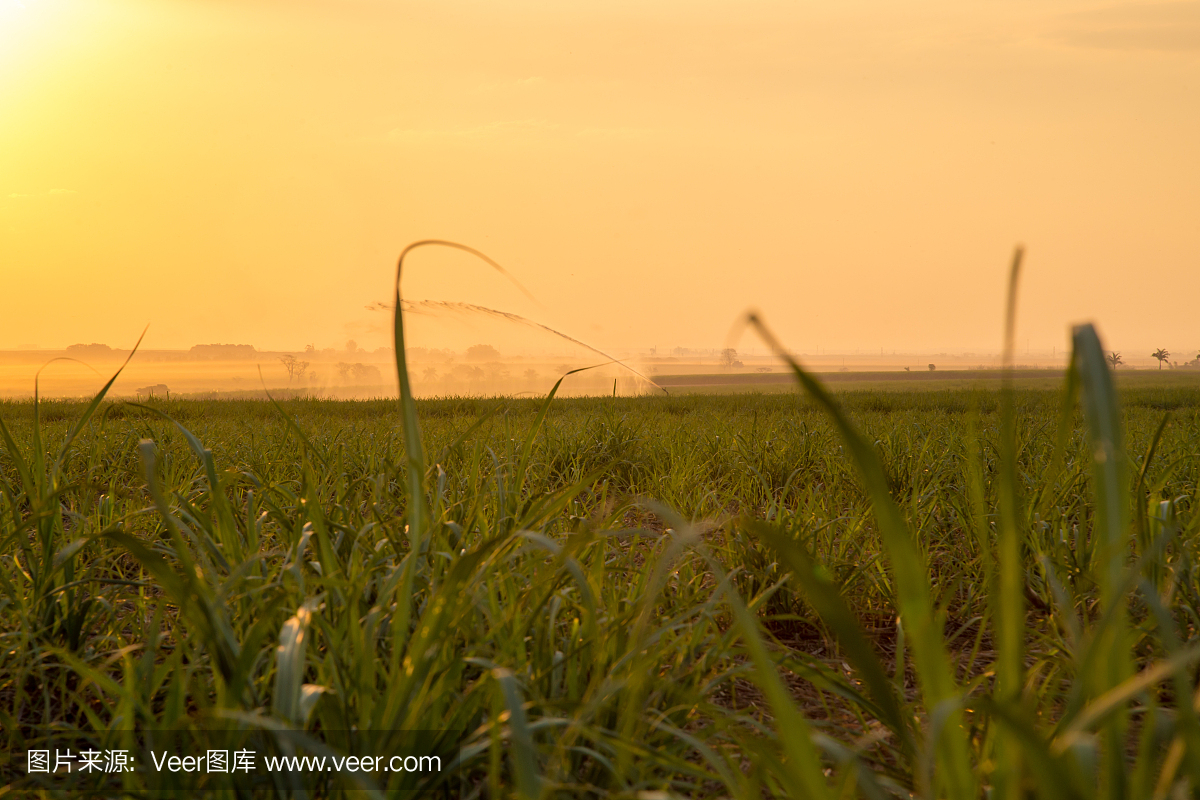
{"points": [[359, 373], [366, 373], [729, 357], [907, 369], [89, 350], [430, 373], [309, 349], [531, 374], [295, 368], [466, 372], [764, 369], [496, 372], [482, 352], [1161, 354], [932, 367], [351, 347], [1114, 359]]}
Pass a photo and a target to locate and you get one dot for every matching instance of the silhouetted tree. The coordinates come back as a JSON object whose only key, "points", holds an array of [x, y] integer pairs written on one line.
{"points": [[496, 372], [729, 357], [295, 368], [93, 349], [932, 367], [1114, 359], [366, 373], [359, 373], [482, 352], [430, 373], [1162, 354]]}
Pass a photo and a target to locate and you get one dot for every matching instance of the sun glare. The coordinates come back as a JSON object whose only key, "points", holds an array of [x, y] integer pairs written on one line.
{"points": [[10, 9], [13, 15]]}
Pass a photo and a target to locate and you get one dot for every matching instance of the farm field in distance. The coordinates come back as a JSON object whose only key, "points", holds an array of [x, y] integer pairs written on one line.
{"points": [[563, 566], [916, 380]]}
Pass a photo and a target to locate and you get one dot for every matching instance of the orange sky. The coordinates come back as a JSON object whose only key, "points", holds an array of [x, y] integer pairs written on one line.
{"points": [[247, 171]]}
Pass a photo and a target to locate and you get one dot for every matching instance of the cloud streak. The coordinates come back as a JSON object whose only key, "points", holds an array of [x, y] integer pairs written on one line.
{"points": [[1162, 27]]}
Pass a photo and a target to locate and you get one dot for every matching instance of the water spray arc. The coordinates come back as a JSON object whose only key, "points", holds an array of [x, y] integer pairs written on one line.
{"points": [[429, 306]]}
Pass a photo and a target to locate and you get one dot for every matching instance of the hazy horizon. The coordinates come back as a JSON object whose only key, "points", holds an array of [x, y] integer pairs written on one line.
{"points": [[482, 370], [858, 172]]}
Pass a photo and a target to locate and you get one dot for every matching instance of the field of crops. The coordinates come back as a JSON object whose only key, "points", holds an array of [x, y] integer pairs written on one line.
{"points": [[950, 592]]}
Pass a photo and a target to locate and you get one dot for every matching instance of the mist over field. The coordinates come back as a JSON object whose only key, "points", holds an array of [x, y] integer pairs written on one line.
{"points": [[516, 367], [478, 370]]}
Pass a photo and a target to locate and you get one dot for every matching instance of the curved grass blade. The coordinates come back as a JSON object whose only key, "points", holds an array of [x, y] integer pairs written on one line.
{"points": [[90, 409]]}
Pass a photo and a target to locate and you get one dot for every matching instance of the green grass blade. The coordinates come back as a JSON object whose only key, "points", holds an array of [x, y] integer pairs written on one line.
{"points": [[289, 667], [824, 596], [1113, 701], [914, 596], [1102, 415], [1010, 583], [91, 407], [1051, 773], [801, 770], [292, 424], [524, 755], [417, 511]]}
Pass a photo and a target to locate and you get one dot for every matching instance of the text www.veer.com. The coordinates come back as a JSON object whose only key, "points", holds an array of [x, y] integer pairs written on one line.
{"points": [[353, 764]]}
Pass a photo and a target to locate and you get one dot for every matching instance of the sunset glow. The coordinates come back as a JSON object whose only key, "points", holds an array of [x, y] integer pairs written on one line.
{"points": [[247, 172], [606, 399]]}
